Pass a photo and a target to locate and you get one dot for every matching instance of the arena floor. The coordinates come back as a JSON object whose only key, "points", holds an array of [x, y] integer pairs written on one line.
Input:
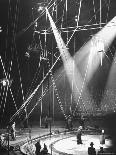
{"points": [[60, 142]]}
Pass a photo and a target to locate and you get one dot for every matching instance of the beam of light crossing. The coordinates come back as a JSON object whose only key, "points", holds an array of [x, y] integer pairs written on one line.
{"points": [[70, 67], [94, 50]]}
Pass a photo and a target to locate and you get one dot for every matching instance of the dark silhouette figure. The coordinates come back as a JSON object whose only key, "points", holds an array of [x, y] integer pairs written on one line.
{"points": [[79, 133], [44, 150], [101, 151], [13, 131], [91, 149], [38, 148], [69, 122], [46, 122]]}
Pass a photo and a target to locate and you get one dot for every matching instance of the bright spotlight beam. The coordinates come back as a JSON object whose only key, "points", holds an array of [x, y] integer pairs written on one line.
{"points": [[95, 49], [70, 67]]}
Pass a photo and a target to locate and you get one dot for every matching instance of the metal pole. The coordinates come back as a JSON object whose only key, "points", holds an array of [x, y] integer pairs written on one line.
{"points": [[8, 140], [100, 13]]}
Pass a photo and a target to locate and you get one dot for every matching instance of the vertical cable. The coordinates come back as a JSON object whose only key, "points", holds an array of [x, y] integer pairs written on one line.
{"points": [[94, 10], [41, 109], [53, 85], [100, 14], [77, 23], [108, 11], [56, 11], [17, 58]]}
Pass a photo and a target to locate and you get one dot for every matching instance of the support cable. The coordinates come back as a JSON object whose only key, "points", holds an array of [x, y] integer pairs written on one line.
{"points": [[57, 94], [94, 10], [33, 93], [81, 91], [77, 23]]}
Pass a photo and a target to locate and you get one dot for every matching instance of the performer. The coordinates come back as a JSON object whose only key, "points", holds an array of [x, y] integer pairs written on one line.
{"points": [[91, 149], [79, 133], [44, 150], [69, 122], [38, 148], [46, 122], [101, 151], [13, 131], [102, 138], [82, 121]]}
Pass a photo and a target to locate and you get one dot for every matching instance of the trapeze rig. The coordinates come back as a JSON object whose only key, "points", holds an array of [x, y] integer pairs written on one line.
{"points": [[75, 28]]}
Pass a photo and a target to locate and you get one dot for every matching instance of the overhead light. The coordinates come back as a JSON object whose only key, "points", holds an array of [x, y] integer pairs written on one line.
{"points": [[0, 29], [6, 82]]}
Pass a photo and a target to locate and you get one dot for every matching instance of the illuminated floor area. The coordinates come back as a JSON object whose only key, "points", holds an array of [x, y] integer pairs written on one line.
{"points": [[61, 141], [69, 145], [65, 143]]}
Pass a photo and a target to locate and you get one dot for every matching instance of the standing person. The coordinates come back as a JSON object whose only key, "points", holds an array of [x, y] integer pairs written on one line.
{"points": [[79, 133], [13, 131], [91, 149], [46, 121], [44, 150], [82, 121], [101, 151], [69, 122], [102, 138], [38, 148]]}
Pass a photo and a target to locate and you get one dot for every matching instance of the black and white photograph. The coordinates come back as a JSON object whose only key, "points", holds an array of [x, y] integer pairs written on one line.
{"points": [[57, 77]]}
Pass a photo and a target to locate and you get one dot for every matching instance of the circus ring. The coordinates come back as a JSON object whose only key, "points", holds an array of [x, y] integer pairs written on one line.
{"points": [[66, 143]]}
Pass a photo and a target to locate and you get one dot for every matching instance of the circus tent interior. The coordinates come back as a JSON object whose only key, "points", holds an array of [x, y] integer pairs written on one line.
{"points": [[57, 59]]}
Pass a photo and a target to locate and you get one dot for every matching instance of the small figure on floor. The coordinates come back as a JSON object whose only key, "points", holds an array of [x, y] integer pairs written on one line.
{"points": [[101, 151], [91, 149], [102, 138], [29, 132], [46, 122], [38, 148], [13, 131], [44, 150], [79, 133], [69, 122], [82, 121]]}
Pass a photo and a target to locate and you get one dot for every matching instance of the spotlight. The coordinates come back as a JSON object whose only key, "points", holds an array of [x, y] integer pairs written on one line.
{"points": [[36, 25], [0, 29], [5, 82], [41, 8], [27, 54], [76, 18]]}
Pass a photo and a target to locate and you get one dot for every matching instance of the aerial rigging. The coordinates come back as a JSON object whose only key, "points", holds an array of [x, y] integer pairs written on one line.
{"points": [[69, 23]]}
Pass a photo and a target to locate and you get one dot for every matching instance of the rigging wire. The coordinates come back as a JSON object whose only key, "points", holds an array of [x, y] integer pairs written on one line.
{"points": [[34, 80], [6, 91], [77, 23], [83, 28], [94, 10], [6, 43], [41, 82], [17, 57], [52, 66], [25, 29], [33, 93], [42, 50], [57, 95], [45, 39]]}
